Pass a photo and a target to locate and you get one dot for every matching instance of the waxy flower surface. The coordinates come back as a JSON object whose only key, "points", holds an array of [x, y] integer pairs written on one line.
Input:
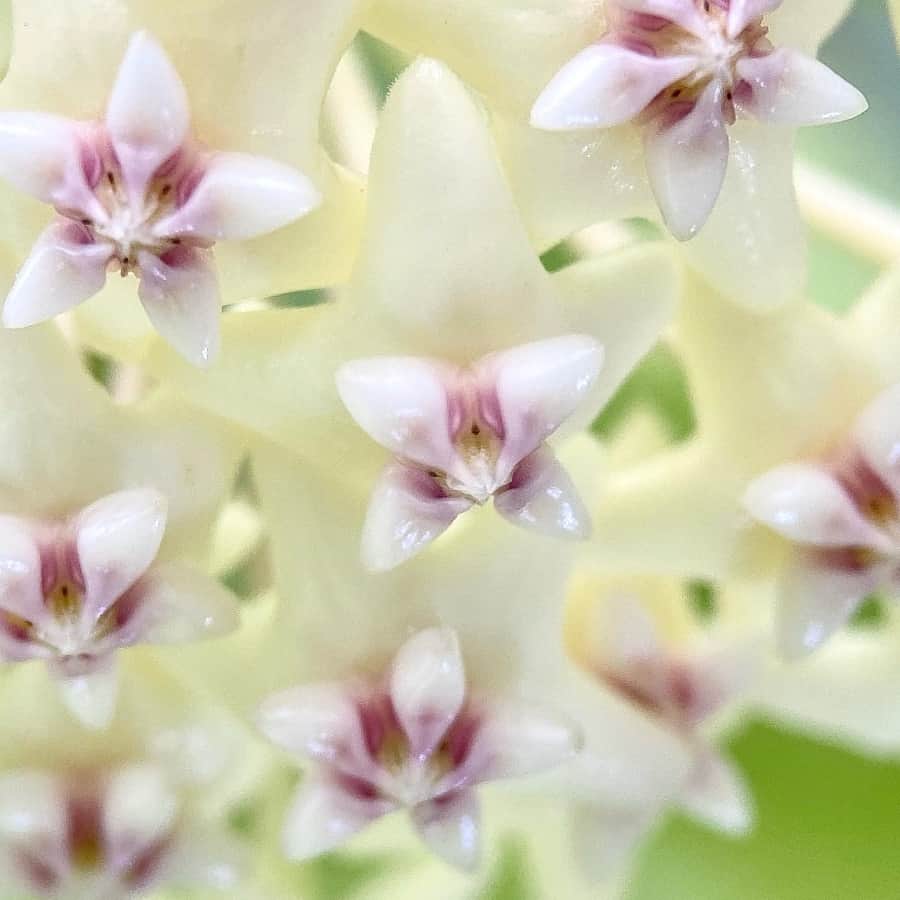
{"points": [[685, 71], [595, 66], [462, 436], [135, 194], [453, 349], [157, 133], [816, 397], [101, 509]]}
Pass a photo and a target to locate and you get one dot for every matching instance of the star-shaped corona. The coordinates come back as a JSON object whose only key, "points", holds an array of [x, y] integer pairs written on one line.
{"points": [[462, 435], [75, 591], [137, 193], [684, 71], [418, 738]]}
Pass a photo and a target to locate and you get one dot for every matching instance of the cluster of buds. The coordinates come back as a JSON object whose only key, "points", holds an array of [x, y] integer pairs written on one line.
{"points": [[376, 539]]}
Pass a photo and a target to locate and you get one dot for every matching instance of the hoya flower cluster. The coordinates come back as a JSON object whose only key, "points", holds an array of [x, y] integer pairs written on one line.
{"points": [[305, 537]]}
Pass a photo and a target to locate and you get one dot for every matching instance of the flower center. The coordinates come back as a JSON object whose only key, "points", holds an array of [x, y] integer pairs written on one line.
{"points": [[125, 217]]}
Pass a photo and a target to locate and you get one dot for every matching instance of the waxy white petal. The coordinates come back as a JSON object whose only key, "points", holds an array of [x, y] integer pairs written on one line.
{"points": [[717, 795], [140, 809], [241, 196], [815, 600], [405, 514], [605, 85], [538, 386], [517, 739], [685, 13], [791, 88], [59, 273], [180, 604], [806, 504], [147, 115], [742, 12], [20, 570], [40, 154], [117, 538], [542, 498], [428, 687], [402, 403], [180, 293], [319, 721], [450, 826], [91, 696], [625, 634], [603, 838], [686, 163], [877, 435], [322, 816]]}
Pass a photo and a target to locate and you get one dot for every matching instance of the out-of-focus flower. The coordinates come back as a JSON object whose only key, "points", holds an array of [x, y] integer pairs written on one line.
{"points": [[253, 79], [685, 71], [664, 682], [101, 506], [135, 193], [446, 273], [804, 377], [567, 181], [120, 814]]}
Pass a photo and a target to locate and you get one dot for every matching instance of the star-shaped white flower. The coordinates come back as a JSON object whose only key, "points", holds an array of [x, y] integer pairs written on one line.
{"points": [[142, 184], [452, 348], [461, 436], [102, 509], [685, 71], [594, 64], [135, 193], [74, 592], [416, 738]]}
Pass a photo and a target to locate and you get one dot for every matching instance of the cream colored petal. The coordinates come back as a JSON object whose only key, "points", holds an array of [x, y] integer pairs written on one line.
{"points": [[625, 300], [805, 24], [504, 49], [91, 697], [450, 827], [847, 692], [255, 80], [565, 182], [875, 325], [446, 267], [795, 367], [56, 428], [755, 228]]}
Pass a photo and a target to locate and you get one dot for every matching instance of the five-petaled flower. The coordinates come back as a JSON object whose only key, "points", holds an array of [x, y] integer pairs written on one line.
{"points": [[417, 738], [463, 435], [138, 193], [684, 70], [842, 515], [73, 592]]}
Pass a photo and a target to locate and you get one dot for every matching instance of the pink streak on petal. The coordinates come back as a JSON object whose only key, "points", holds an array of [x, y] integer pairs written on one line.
{"points": [[541, 497], [64, 269], [180, 294], [686, 162], [407, 511]]}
